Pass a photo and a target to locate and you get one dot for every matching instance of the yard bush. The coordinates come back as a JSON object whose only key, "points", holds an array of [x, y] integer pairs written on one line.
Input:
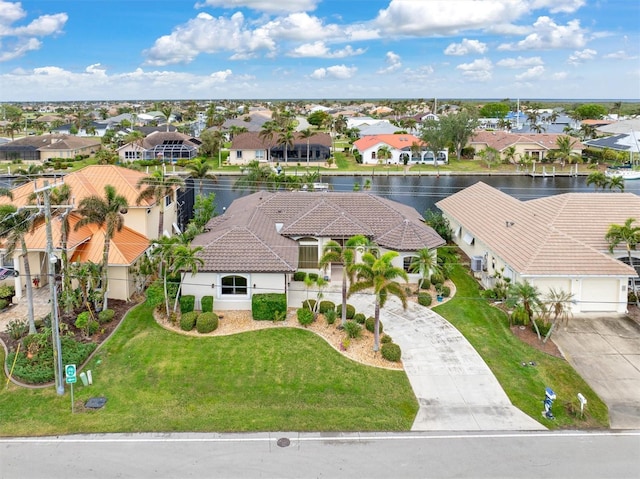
{"points": [[187, 303], [351, 311], [299, 275], [437, 278], [206, 304], [82, 321], [265, 306], [206, 322], [385, 338], [542, 327], [17, 328], [391, 352], [359, 318], [106, 315], [325, 306], [519, 316], [188, 320], [93, 327], [353, 330], [370, 324], [330, 316], [3, 303], [305, 316], [445, 291], [155, 294], [425, 283], [425, 299], [309, 304], [7, 291]]}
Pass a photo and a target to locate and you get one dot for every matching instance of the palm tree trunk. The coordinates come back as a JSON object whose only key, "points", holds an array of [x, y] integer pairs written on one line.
{"points": [[105, 268], [175, 303], [344, 296], [161, 219], [29, 287], [376, 327]]}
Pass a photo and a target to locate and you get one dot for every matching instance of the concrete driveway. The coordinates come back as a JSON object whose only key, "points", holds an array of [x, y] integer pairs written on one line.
{"points": [[605, 351]]}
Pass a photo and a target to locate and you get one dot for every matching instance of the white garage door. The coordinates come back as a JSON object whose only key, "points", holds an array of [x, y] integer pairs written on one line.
{"points": [[599, 295]]}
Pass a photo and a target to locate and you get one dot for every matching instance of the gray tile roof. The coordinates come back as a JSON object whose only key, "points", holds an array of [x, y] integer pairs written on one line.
{"points": [[257, 232]]}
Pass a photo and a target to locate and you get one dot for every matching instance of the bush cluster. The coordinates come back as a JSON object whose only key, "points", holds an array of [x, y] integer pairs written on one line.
{"points": [[305, 316], [385, 339], [155, 294], [266, 306], [445, 291], [188, 320], [187, 303], [3, 303], [425, 283], [391, 352], [309, 304], [206, 322]]}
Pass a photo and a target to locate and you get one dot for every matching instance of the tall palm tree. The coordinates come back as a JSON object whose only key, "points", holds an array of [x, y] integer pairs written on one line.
{"points": [[333, 252], [425, 263], [306, 134], [183, 258], [558, 308], [201, 170], [381, 275], [158, 186], [166, 111], [286, 138], [15, 226], [565, 151], [105, 212], [628, 234]]}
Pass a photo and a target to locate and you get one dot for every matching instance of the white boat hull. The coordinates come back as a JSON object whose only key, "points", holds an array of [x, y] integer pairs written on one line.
{"points": [[625, 174]]}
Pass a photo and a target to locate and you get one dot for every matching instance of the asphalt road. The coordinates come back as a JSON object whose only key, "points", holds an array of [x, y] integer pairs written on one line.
{"points": [[537, 455]]}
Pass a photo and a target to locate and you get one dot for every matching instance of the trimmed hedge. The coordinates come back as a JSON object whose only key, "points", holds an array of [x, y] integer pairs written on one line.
{"points": [[446, 291], [265, 306], [106, 315], [207, 322], [206, 304], [305, 316], [425, 284], [386, 339], [370, 324], [424, 299], [351, 311], [309, 304], [437, 278], [187, 303], [299, 276], [325, 306], [391, 352], [188, 320]]}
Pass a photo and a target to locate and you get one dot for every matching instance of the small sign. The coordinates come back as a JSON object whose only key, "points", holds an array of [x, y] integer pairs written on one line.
{"points": [[70, 373]]}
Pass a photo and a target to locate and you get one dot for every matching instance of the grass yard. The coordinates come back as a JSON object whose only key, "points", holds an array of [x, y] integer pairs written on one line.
{"points": [[268, 380], [487, 329]]}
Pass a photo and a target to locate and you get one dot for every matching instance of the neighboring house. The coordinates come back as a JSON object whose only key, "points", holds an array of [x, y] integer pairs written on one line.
{"points": [[41, 148], [250, 146], [402, 147], [534, 146], [623, 142], [553, 242], [265, 237], [86, 244], [96, 128], [166, 146]]}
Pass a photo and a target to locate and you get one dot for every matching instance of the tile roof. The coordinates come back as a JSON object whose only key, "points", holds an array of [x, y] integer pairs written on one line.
{"points": [[52, 142], [502, 139], [251, 140], [397, 142], [557, 235], [256, 232]]}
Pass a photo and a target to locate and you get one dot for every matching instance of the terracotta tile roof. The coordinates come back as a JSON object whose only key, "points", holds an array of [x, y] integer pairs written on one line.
{"points": [[397, 142], [541, 237], [53, 142], [126, 247], [251, 140], [256, 232], [502, 139], [37, 239]]}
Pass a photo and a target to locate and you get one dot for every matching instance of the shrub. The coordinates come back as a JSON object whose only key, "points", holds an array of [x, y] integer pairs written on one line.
{"points": [[425, 283], [82, 320], [353, 330], [206, 322], [325, 306], [424, 299], [391, 352], [188, 320], [542, 327], [330, 316], [359, 318], [437, 278], [187, 303], [489, 294], [155, 294], [385, 339], [351, 311], [206, 303], [445, 291], [309, 304], [265, 306], [93, 327], [3, 303], [313, 276], [519, 316], [305, 316], [106, 315], [370, 324], [299, 276], [7, 291], [17, 328]]}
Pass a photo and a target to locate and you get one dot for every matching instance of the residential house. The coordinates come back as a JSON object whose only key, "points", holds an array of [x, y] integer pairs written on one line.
{"points": [[404, 148], [535, 146], [265, 237], [161, 145], [553, 242], [250, 146], [35, 149], [622, 142]]}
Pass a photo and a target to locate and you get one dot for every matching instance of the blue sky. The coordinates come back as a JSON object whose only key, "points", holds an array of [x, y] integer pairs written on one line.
{"points": [[234, 49]]}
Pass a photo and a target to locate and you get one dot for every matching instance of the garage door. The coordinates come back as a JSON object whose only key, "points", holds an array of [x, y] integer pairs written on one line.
{"points": [[599, 295]]}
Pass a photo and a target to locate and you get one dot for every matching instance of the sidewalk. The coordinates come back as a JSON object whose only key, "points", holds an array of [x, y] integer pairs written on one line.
{"points": [[41, 307]]}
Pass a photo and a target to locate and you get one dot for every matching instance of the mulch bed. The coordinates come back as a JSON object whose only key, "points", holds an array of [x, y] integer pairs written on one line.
{"points": [[527, 335]]}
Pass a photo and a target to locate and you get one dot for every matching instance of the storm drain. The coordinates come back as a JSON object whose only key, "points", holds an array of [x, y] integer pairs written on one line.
{"points": [[95, 403], [283, 442]]}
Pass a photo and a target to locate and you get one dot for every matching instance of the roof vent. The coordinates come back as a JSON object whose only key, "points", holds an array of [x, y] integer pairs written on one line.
{"points": [[279, 227]]}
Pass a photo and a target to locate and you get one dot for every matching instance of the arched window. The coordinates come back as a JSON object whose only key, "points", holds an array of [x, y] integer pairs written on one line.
{"points": [[308, 253], [234, 285]]}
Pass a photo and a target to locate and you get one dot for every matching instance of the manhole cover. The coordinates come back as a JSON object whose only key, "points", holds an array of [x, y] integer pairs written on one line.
{"points": [[283, 442], [95, 403]]}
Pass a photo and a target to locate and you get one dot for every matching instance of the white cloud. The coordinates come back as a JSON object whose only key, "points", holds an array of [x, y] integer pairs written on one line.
{"points": [[478, 70], [580, 56], [520, 62], [466, 47], [300, 27], [320, 50], [619, 55], [557, 6], [393, 63], [549, 35], [271, 6], [531, 73], [559, 76], [339, 72], [43, 26], [19, 49]]}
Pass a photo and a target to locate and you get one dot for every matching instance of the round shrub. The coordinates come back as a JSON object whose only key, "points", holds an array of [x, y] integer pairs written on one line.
{"points": [[299, 276], [3, 303], [425, 283], [424, 299], [391, 352], [371, 323], [446, 291], [309, 304], [386, 339], [188, 320], [93, 327], [325, 306], [437, 278], [331, 316], [359, 318], [207, 322], [351, 311], [353, 330], [106, 315], [305, 316], [82, 321]]}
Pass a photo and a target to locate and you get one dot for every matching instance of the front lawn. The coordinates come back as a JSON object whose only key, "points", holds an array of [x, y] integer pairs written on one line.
{"points": [[268, 380], [487, 329]]}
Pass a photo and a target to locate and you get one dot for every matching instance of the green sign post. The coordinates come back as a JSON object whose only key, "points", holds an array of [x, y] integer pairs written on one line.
{"points": [[71, 378]]}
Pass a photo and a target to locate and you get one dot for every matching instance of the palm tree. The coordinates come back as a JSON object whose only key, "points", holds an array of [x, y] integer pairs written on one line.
{"points": [[510, 154], [183, 258], [158, 186], [628, 234], [558, 304], [537, 128], [15, 226], [333, 252], [381, 275], [25, 175], [616, 183], [166, 111], [161, 252], [598, 179], [286, 138], [384, 154], [565, 151], [306, 134], [201, 171], [254, 177], [426, 263], [528, 296], [105, 212]]}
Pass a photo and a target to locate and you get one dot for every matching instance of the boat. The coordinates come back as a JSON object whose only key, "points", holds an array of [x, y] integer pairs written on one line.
{"points": [[624, 173]]}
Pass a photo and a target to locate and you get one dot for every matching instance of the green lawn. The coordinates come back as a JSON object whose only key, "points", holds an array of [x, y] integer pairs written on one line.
{"points": [[268, 380], [487, 329]]}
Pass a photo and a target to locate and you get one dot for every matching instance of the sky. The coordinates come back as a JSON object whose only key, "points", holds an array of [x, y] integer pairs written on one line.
{"points": [[319, 49]]}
